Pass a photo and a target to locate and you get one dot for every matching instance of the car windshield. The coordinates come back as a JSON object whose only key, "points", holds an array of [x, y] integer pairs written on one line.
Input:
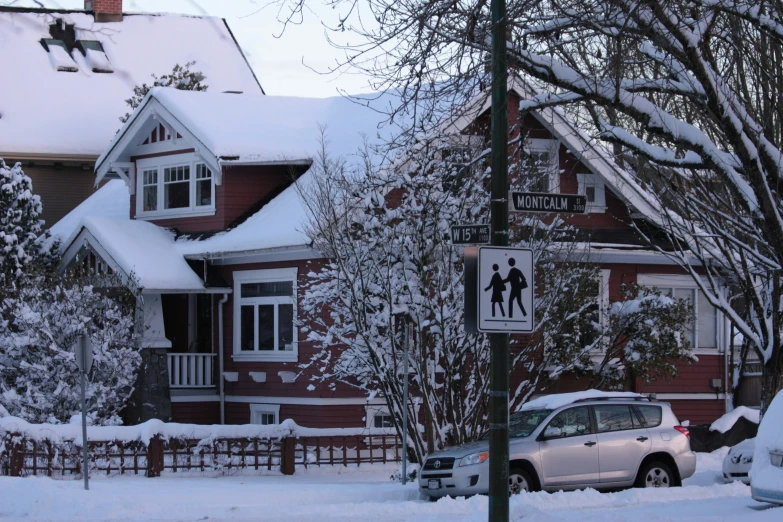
{"points": [[523, 423]]}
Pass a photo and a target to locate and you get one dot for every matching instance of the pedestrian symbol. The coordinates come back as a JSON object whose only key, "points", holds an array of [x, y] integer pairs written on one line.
{"points": [[505, 293]]}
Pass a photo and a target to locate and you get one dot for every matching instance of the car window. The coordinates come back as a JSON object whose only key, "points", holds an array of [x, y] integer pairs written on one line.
{"points": [[613, 417], [650, 415], [522, 423], [572, 422]]}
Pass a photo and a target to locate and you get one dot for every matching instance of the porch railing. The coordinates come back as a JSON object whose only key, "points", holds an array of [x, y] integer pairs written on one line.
{"points": [[191, 370]]}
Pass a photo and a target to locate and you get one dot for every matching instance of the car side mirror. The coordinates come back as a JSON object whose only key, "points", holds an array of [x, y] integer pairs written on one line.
{"points": [[552, 432]]}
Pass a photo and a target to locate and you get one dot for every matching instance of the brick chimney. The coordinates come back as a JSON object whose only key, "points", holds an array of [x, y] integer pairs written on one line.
{"points": [[105, 10]]}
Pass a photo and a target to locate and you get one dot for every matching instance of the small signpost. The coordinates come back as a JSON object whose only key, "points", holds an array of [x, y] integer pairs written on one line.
{"points": [[470, 234], [83, 352], [547, 203]]}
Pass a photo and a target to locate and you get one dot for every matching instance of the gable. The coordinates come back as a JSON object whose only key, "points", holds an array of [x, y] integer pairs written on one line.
{"points": [[49, 112]]}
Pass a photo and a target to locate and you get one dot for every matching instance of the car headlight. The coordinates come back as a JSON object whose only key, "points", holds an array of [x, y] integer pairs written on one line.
{"points": [[475, 458]]}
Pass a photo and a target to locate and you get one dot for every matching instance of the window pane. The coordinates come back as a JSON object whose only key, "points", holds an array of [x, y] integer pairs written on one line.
{"points": [[176, 195], [687, 294], [613, 418], [266, 327], [150, 198], [268, 418], [650, 415], [247, 329], [383, 421], [590, 193], [707, 323], [273, 289], [203, 192], [573, 422], [285, 327]]}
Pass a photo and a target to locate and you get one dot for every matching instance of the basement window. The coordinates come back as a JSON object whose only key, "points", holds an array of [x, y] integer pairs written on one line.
{"points": [[93, 52], [58, 55]]}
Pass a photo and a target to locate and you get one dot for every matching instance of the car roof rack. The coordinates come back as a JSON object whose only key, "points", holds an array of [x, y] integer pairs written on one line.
{"points": [[645, 399]]}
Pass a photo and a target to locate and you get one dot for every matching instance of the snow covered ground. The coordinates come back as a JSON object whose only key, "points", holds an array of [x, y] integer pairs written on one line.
{"points": [[339, 494]]}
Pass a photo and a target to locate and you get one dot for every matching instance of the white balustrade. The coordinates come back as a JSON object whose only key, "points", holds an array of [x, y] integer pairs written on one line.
{"points": [[191, 370]]}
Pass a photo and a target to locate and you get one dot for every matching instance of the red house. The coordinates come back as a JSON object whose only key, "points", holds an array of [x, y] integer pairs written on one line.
{"points": [[207, 221]]}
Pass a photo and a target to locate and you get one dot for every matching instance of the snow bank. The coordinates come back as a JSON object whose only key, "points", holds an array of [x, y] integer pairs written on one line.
{"points": [[726, 422], [144, 432], [551, 402], [763, 475]]}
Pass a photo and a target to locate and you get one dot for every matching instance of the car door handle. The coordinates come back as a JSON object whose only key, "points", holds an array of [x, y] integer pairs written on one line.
{"points": [[642, 439], [590, 444]]}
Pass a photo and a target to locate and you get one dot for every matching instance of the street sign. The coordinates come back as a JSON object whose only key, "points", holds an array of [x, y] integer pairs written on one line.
{"points": [[548, 203], [83, 352], [505, 290], [469, 234]]}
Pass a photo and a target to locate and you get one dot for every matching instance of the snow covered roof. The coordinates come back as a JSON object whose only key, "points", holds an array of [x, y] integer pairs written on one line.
{"points": [[138, 249], [110, 201], [252, 128], [46, 112], [279, 224]]}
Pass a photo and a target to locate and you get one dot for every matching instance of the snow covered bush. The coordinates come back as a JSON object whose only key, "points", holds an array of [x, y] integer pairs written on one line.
{"points": [[20, 225], [39, 325], [181, 77], [645, 334]]}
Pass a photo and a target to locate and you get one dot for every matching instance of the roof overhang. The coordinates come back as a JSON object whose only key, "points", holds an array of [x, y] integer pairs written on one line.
{"points": [[149, 113]]}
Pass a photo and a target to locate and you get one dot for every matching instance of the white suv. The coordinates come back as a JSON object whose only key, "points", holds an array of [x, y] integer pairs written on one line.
{"points": [[567, 441]]}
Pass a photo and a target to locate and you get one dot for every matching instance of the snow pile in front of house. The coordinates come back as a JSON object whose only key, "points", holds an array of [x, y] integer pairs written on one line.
{"points": [[144, 251], [552, 402], [47, 111], [280, 223], [763, 475], [144, 432], [727, 421], [111, 201]]}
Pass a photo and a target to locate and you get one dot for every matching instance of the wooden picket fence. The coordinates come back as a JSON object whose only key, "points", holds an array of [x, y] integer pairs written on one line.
{"points": [[25, 457]]}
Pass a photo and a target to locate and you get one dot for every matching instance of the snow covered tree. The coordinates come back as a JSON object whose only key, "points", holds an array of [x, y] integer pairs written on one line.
{"points": [[385, 233], [181, 77], [39, 326], [691, 87], [643, 335], [20, 225]]}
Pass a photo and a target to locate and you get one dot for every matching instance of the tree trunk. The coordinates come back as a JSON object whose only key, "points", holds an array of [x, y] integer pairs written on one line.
{"points": [[770, 380]]}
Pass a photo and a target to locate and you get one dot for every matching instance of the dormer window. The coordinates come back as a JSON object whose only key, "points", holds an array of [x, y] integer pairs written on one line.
{"points": [[58, 55], [591, 186], [93, 52], [541, 166], [174, 186]]}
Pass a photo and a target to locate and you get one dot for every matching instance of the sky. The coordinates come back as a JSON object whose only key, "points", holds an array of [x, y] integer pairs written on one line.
{"points": [[292, 63]]}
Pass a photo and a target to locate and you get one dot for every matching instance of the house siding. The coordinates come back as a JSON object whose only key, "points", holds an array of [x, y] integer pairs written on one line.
{"points": [[61, 189]]}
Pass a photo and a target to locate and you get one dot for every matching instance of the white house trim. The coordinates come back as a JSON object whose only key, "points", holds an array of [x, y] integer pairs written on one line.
{"points": [[256, 409]]}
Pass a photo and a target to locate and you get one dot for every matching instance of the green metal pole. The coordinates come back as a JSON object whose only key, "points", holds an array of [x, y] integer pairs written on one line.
{"points": [[498, 343]]}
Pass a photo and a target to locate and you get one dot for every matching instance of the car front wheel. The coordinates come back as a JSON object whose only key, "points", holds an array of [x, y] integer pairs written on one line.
{"points": [[655, 475], [518, 481]]}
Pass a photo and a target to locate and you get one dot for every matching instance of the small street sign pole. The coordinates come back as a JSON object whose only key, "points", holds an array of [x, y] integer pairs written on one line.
{"points": [[83, 371], [405, 406], [84, 361], [498, 342]]}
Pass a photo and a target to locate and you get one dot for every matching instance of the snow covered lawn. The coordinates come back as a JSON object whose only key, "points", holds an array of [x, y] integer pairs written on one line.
{"points": [[340, 494]]}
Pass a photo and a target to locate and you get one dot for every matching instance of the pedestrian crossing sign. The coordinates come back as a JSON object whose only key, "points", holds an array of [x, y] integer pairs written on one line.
{"points": [[506, 301]]}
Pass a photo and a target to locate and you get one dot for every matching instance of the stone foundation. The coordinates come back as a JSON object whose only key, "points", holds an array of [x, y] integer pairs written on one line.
{"points": [[151, 399]]}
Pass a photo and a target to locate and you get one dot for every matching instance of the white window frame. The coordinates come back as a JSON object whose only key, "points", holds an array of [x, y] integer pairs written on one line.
{"points": [[543, 145], [264, 276], [372, 411], [159, 163], [595, 181], [686, 282], [256, 410]]}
